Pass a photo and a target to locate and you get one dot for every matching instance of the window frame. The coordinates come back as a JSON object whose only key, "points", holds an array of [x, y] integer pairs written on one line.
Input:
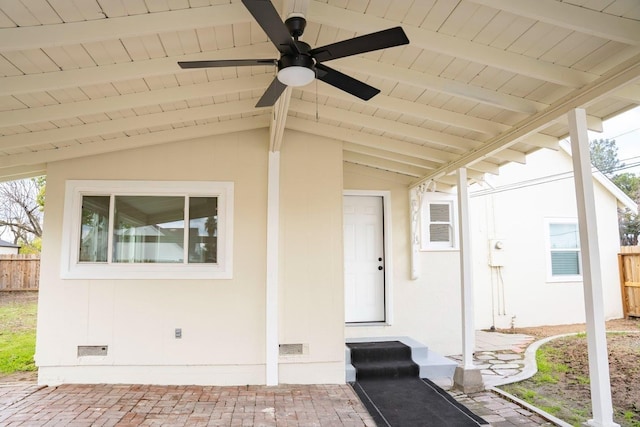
{"points": [[430, 198], [547, 233], [72, 268]]}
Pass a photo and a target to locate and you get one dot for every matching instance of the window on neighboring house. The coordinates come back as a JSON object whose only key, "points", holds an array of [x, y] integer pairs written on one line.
{"points": [[439, 228], [132, 229], [564, 250]]}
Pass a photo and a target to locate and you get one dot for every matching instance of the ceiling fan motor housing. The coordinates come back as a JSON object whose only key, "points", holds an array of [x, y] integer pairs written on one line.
{"points": [[296, 25], [302, 60]]}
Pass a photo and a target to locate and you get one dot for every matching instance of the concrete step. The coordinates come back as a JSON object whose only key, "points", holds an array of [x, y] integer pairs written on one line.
{"points": [[433, 366]]}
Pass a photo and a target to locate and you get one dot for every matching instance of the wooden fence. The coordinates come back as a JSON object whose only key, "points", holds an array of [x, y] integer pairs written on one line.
{"points": [[629, 265], [19, 272]]}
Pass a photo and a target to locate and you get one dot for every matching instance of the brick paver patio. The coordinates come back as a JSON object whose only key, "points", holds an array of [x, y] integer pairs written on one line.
{"points": [[148, 405]]}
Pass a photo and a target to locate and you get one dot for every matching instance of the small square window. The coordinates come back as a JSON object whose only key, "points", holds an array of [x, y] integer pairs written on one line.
{"points": [[438, 222]]}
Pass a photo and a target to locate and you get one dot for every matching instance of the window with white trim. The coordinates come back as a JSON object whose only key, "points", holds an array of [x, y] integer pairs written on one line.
{"points": [[148, 229], [563, 245], [438, 222]]}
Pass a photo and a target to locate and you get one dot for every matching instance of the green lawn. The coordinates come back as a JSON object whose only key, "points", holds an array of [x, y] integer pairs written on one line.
{"points": [[17, 334]]}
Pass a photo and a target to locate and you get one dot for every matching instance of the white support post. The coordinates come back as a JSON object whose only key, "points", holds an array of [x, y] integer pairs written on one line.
{"points": [[466, 377], [601, 403], [273, 258], [468, 330]]}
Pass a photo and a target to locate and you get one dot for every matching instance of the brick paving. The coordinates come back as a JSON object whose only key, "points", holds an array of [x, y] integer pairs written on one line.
{"points": [[148, 405]]}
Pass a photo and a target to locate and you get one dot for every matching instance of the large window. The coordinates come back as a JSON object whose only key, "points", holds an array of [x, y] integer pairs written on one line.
{"points": [[438, 224], [135, 229], [563, 242]]}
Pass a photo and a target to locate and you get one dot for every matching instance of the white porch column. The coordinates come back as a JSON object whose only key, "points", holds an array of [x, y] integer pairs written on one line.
{"points": [[468, 330], [602, 406], [273, 259], [466, 377]]}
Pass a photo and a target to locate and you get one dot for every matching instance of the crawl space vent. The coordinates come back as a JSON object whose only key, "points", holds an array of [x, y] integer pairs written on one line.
{"points": [[291, 349], [92, 350]]}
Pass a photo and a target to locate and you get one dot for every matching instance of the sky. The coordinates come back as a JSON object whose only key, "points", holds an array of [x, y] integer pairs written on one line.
{"points": [[625, 129]]}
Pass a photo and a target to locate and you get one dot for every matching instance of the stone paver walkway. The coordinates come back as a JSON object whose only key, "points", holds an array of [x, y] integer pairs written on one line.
{"points": [[501, 357]]}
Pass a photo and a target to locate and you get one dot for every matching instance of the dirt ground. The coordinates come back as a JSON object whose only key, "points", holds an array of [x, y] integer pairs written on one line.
{"points": [[540, 332], [571, 394]]}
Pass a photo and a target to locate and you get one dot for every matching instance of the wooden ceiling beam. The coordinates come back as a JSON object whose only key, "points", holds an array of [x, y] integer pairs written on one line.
{"points": [[53, 136], [576, 18], [413, 109], [385, 164], [382, 143], [21, 172], [279, 120], [131, 142], [69, 33], [438, 84], [433, 41], [109, 73], [623, 74], [396, 128], [132, 100]]}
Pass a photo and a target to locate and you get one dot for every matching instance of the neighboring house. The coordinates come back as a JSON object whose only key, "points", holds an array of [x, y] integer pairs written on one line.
{"points": [[7, 248], [527, 267]]}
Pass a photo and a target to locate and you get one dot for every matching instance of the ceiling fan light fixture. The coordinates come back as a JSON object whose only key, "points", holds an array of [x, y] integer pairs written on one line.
{"points": [[296, 76]]}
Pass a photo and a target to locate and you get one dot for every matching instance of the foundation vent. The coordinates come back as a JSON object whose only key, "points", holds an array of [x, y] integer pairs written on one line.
{"points": [[292, 349], [92, 350]]}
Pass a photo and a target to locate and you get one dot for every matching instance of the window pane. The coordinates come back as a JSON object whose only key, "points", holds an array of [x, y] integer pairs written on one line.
{"points": [[564, 236], [148, 229], [439, 212], [94, 231], [439, 233], [203, 230], [565, 263]]}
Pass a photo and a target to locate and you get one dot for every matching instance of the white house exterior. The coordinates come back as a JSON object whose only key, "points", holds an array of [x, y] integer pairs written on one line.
{"points": [[7, 248], [512, 220], [272, 213]]}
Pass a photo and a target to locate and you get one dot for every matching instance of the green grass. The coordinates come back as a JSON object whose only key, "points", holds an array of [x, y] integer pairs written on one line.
{"points": [[17, 337], [547, 371]]}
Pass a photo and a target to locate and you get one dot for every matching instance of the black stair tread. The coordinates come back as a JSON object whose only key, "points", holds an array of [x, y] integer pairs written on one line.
{"points": [[388, 350], [388, 359]]}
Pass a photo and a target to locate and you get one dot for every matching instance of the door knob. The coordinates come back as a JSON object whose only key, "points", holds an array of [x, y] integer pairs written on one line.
{"points": [[379, 267]]}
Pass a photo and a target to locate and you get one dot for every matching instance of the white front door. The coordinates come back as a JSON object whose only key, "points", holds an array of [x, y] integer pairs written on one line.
{"points": [[364, 259]]}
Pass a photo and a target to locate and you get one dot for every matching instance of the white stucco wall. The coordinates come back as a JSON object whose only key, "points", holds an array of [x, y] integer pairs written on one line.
{"points": [[312, 292], [517, 217], [5, 250], [427, 309], [222, 321]]}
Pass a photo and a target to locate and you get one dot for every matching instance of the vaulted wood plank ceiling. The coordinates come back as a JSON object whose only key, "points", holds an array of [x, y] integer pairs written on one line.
{"points": [[482, 82]]}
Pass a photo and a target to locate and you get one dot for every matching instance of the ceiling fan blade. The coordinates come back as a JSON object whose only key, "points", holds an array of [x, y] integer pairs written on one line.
{"points": [[367, 43], [226, 63], [267, 17], [272, 93], [346, 83]]}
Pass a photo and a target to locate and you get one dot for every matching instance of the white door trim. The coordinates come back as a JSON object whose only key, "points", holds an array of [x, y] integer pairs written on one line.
{"points": [[388, 257]]}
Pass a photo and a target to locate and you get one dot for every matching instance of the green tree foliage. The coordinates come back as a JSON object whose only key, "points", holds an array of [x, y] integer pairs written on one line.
{"points": [[22, 210], [604, 156], [629, 183]]}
